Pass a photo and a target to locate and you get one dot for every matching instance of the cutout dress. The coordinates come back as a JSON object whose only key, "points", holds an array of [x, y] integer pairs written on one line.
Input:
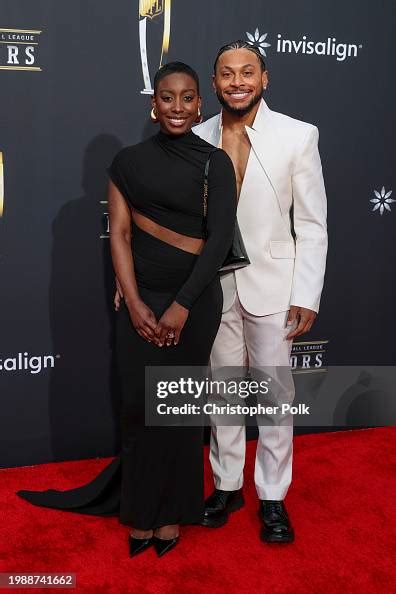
{"points": [[157, 479]]}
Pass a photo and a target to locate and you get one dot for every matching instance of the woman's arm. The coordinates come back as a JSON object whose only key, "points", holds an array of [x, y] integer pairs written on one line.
{"points": [[221, 217], [118, 295], [142, 317], [220, 225]]}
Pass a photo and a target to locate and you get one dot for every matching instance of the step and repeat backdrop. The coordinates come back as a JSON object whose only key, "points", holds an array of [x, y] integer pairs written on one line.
{"points": [[75, 85]]}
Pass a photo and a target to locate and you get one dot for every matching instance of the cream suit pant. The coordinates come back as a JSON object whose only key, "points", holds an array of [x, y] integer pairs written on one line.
{"points": [[245, 340]]}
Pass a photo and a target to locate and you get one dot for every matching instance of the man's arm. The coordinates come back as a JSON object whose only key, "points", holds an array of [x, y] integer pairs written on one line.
{"points": [[309, 217]]}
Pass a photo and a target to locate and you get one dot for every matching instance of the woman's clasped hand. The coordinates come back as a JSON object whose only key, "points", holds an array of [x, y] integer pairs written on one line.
{"points": [[165, 331]]}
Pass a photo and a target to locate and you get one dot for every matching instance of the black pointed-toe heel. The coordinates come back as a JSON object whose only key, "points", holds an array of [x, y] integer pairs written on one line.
{"points": [[163, 546], [138, 545]]}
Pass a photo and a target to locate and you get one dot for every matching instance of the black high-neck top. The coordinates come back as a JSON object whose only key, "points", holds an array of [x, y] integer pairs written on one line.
{"points": [[163, 177]]}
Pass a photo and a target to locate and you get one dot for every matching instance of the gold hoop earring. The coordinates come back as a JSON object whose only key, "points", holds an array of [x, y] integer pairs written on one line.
{"points": [[199, 117], [153, 116]]}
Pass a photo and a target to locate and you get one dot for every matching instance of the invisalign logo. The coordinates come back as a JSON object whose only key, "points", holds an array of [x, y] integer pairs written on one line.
{"points": [[25, 362], [330, 47]]}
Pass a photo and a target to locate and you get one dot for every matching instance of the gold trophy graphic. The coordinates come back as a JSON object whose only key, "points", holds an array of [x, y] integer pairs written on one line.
{"points": [[148, 11], [1, 185]]}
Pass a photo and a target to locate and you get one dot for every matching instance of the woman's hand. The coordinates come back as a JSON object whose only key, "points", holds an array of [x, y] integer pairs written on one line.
{"points": [[171, 324], [143, 319]]}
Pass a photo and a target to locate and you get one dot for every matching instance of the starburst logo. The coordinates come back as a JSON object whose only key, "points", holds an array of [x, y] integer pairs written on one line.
{"points": [[258, 41], [382, 200]]}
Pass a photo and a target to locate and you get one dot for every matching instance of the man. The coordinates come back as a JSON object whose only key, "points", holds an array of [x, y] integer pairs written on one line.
{"points": [[282, 217]]}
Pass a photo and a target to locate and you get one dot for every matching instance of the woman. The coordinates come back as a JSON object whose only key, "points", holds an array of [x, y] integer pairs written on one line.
{"points": [[170, 313]]}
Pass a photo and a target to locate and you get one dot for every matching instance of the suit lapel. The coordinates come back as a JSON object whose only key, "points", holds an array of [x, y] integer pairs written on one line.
{"points": [[213, 130], [267, 147], [265, 142]]}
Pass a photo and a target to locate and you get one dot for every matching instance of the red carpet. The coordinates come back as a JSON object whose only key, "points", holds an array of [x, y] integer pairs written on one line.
{"points": [[342, 503]]}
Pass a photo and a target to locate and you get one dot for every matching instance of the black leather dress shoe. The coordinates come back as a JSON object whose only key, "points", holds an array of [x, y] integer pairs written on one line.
{"points": [[219, 505], [163, 545], [138, 545], [276, 522]]}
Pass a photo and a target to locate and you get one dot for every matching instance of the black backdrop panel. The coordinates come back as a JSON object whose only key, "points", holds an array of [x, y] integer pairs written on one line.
{"points": [[71, 97]]}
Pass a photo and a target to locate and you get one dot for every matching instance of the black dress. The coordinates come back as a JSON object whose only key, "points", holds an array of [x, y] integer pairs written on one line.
{"points": [[158, 477]]}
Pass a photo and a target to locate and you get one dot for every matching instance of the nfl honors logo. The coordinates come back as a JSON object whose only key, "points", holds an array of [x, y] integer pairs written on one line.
{"points": [[19, 49], [149, 10], [309, 356]]}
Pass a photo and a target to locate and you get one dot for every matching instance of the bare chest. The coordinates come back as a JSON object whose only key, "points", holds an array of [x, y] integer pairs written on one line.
{"points": [[237, 146]]}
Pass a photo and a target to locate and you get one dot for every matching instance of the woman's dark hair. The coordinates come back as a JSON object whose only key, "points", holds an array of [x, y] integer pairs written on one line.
{"points": [[172, 68], [240, 44]]}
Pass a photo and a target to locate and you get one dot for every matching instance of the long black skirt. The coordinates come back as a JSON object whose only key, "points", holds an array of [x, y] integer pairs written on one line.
{"points": [[158, 477]]}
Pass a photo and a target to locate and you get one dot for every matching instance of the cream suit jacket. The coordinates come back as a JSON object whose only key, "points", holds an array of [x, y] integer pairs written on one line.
{"points": [[283, 181]]}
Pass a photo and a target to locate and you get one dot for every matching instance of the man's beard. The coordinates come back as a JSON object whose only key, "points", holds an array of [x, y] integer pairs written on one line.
{"points": [[240, 111]]}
